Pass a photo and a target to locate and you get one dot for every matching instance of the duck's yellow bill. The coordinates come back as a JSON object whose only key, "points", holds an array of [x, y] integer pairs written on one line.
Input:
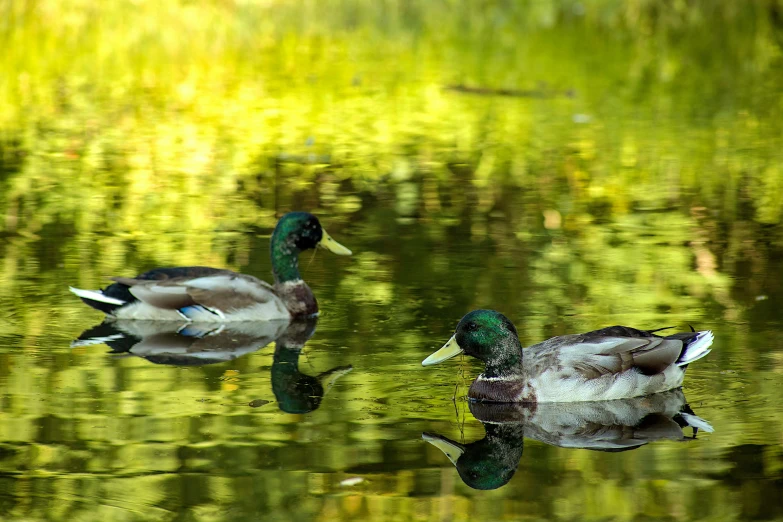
{"points": [[449, 350], [451, 449], [333, 246]]}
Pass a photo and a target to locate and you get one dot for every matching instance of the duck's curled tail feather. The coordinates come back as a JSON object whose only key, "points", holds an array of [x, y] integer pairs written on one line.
{"points": [[698, 347]]}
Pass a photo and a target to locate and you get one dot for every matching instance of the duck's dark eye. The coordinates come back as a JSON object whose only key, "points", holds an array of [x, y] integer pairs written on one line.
{"points": [[472, 327]]}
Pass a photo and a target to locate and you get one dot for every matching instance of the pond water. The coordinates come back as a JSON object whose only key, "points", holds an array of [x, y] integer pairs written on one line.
{"points": [[234, 428], [573, 166]]}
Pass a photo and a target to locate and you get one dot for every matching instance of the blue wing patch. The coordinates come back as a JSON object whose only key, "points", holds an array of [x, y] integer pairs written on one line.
{"points": [[191, 313]]}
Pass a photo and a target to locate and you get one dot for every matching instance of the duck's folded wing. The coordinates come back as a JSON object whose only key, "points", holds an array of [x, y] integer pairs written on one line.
{"points": [[234, 292], [596, 355], [170, 294], [225, 291]]}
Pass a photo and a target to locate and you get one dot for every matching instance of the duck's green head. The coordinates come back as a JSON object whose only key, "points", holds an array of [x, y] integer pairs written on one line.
{"points": [[294, 233], [486, 335], [484, 464]]}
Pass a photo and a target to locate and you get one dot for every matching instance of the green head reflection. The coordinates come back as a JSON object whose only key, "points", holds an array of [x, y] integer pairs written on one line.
{"points": [[488, 463], [295, 391]]}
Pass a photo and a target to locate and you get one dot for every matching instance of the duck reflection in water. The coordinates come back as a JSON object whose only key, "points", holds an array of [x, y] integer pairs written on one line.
{"points": [[199, 344], [177, 344], [617, 425], [295, 391]]}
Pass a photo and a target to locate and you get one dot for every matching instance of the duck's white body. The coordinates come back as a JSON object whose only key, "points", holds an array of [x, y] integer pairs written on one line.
{"points": [[144, 312], [223, 297]]}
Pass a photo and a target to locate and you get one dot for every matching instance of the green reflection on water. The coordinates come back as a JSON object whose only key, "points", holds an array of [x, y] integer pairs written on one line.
{"points": [[573, 165]]}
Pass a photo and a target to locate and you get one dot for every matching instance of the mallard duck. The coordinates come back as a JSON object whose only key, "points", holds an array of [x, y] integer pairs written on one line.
{"points": [[612, 363], [203, 294], [618, 425]]}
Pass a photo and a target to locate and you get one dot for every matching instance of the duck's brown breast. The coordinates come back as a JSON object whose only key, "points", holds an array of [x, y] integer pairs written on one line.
{"points": [[499, 389], [298, 298]]}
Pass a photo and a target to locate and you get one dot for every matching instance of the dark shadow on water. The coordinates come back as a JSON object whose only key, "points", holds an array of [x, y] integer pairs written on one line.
{"points": [[612, 426]]}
